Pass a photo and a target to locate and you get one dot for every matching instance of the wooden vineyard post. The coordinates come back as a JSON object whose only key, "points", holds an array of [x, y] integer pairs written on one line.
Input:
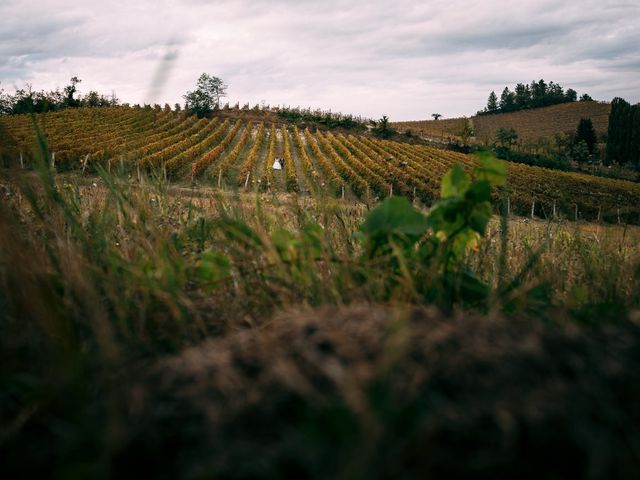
{"points": [[109, 166], [219, 178], [391, 190], [122, 163], [164, 171], [533, 207], [343, 191], [85, 163], [21, 161], [246, 182], [576, 213], [599, 211], [618, 215], [53, 160], [414, 195], [508, 206], [138, 170], [554, 209]]}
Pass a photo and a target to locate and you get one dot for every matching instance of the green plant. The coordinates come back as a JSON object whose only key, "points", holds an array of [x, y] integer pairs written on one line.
{"points": [[435, 244], [506, 137], [586, 133], [382, 129], [580, 151]]}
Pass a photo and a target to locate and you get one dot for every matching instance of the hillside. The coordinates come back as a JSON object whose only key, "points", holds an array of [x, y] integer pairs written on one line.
{"points": [[443, 129], [531, 125], [239, 152]]}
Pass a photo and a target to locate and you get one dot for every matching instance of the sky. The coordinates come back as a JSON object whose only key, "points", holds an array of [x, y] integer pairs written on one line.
{"points": [[405, 59]]}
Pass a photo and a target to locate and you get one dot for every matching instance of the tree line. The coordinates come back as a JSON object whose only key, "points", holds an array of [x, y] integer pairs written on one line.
{"points": [[623, 135], [537, 94], [28, 100]]}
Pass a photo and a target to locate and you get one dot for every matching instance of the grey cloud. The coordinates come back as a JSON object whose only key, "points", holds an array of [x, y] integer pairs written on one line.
{"points": [[403, 58]]}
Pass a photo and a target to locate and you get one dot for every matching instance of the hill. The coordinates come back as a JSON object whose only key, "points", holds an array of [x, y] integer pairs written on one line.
{"points": [[233, 151], [531, 125]]}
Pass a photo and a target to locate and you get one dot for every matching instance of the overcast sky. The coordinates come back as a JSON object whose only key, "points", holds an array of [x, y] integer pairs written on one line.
{"points": [[406, 59]]}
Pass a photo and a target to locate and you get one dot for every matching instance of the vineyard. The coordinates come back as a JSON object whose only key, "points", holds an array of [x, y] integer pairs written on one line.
{"points": [[442, 129], [531, 125], [239, 153]]}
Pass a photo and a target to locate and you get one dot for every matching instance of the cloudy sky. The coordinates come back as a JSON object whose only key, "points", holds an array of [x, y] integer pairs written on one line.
{"points": [[406, 59]]}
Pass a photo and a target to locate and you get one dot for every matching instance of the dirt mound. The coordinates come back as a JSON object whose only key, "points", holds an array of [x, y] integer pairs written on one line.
{"points": [[366, 392]]}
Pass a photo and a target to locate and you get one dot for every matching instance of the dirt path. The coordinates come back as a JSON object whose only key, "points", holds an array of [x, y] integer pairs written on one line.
{"points": [[279, 183], [304, 184]]}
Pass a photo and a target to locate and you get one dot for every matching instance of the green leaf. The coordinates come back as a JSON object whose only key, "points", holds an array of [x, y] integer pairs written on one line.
{"points": [[480, 216], [479, 191], [394, 221], [214, 266], [455, 182], [447, 215], [492, 170], [395, 215]]}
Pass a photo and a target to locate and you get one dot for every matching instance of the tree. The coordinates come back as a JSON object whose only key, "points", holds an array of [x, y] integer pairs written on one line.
{"points": [[522, 96], [586, 133], [506, 137], [492, 102], [555, 94], [382, 129], [562, 143], [619, 132], [69, 91], [585, 97], [93, 99], [539, 93], [634, 155], [206, 97], [580, 151], [436, 116], [465, 133], [507, 100], [5, 102], [571, 95]]}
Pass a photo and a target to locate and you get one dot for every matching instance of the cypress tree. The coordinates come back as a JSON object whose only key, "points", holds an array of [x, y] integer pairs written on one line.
{"points": [[634, 154], [585, 132], [616, 135], [625, 141]]}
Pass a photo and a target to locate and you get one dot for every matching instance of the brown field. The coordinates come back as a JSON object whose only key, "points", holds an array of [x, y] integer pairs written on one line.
{"points": [[443, 128], [239, 153], [531, 125]]}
